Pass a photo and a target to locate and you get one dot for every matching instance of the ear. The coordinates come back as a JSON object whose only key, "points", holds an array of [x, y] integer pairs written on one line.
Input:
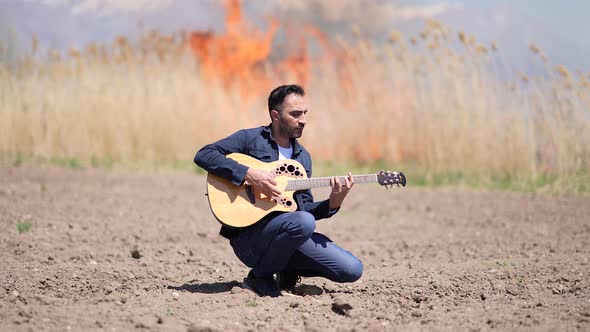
{"points": [[274, 115]]}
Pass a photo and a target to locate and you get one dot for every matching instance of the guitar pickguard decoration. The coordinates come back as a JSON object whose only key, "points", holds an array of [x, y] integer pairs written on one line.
{"points": [[286, 202], [289, 170]]}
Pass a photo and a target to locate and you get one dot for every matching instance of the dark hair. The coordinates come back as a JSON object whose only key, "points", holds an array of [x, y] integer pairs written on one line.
{"points": [[278, 95]]}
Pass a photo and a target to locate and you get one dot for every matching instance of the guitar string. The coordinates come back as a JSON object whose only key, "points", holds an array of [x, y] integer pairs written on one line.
{"points": [[299, 184]]}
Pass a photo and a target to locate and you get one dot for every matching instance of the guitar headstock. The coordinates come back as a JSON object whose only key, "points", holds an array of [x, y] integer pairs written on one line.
{"points": [[390, 179]]}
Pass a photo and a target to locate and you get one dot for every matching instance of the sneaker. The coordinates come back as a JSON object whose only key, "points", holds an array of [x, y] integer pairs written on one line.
{"points": [[263, 286], [287, 280]]}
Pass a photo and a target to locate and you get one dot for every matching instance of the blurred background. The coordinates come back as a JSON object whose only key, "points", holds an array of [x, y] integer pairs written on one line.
{"points": [[482, 93]]}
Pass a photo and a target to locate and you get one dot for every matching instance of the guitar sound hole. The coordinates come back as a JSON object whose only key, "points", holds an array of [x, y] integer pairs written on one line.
{"points": [[289, 203], [282, 168], [290, 168], [297, 173]]}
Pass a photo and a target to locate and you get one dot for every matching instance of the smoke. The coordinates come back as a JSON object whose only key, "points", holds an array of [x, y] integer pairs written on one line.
{"points": [[331, 16], [370, 16], [107, 7]]}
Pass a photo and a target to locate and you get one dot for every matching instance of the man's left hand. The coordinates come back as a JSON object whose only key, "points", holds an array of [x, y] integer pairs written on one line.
{"points": [[339, 190]]}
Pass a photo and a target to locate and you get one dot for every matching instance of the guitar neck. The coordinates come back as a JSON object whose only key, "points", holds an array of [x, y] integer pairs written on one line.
{"points": [[302, 184]]}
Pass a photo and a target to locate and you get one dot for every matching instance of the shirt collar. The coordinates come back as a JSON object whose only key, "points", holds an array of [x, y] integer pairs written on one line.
{"points": [[297, 148]]}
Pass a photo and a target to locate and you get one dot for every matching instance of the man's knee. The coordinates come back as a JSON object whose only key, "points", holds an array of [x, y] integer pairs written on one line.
{"points": [[306, 221], [351, 270], [303, 223]]}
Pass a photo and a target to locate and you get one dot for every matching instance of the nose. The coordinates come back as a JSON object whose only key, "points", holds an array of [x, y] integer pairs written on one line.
{"points": [[303, 120]]}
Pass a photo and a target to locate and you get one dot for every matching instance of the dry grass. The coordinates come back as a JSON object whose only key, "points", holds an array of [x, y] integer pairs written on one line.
{"points": [[417, 100]]}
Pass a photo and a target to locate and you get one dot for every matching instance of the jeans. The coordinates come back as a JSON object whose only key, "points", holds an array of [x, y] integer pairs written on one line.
{"points": [[288, 243]]}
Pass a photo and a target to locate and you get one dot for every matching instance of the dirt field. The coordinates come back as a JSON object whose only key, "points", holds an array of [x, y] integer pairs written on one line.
{"points": [[434, 259]]}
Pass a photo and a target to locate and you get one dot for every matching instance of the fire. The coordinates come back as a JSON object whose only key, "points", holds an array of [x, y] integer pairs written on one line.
{"points": [[241, 59], [239, 56]]}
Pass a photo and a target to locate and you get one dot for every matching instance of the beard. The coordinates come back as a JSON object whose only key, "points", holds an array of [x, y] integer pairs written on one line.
{"points": [[297, 132], [291, 132]]}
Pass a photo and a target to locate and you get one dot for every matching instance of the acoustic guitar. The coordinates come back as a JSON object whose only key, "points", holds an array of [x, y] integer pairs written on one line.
{"points": [[241, 206]]}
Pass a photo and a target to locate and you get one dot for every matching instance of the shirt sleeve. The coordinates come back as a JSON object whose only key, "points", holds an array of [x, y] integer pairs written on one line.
{"points": [[212, 157], [305, 201], [320, 209]]}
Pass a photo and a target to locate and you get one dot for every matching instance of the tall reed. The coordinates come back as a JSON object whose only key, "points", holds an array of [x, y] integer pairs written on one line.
{"points": [[418, 100]]}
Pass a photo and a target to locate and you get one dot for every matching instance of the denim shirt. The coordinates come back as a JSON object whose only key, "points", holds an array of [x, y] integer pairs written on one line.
{"points": [[258, 143]]}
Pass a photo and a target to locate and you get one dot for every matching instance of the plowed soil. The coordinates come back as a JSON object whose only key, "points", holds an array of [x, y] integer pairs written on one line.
{"points": [[118, 251]]}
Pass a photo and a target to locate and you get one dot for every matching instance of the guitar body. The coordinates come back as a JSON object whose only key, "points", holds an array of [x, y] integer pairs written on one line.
{"points": [[241, 206]]}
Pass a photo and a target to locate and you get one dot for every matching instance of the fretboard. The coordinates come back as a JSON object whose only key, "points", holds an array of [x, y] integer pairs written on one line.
{"points": [[302, 184]]}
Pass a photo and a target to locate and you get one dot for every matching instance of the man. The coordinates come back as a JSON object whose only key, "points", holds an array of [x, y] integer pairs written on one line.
{"points": [[284, 243]]}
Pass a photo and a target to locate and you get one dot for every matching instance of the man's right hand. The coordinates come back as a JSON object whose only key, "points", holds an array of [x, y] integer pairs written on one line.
{"points": [[263, 182]]}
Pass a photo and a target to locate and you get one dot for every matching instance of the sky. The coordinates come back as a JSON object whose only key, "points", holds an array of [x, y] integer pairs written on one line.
{"points": [[569, 18], [570, 22], [559, 27]]}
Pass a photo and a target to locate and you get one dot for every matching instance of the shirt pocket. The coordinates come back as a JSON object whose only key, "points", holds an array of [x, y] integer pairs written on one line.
{"points": [[261, 155]]}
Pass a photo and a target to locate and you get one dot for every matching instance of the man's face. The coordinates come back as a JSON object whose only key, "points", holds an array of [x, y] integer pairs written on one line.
{"points": [[293, 116]]}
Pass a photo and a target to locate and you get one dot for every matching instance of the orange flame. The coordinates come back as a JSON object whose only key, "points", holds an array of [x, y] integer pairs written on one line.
{"points": [[239, 55]]}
